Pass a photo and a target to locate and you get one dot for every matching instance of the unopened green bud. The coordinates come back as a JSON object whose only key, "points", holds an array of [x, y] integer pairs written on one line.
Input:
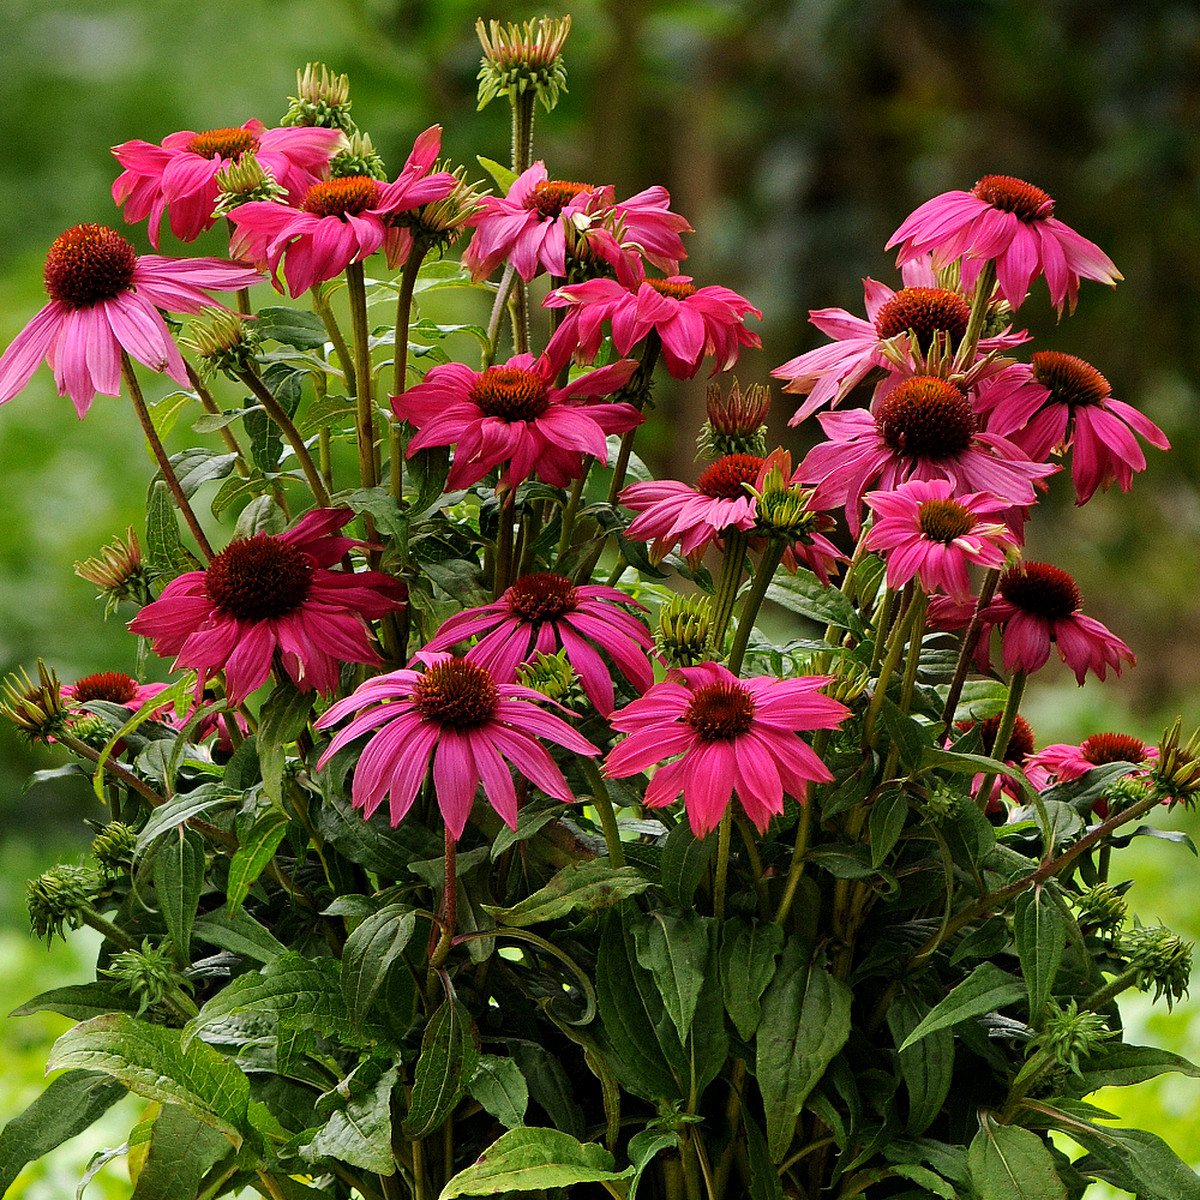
{"points": [[736, 422], [147, 974], [1122, 793], [243, 180], [523, 58], [91, 730], [359, 158], [684, 628], [36, 709], [59, 899], [115, 847], [942, 804], [782, 506], [1161, 959], [1101, 907], [439, 223], [223, 341], [118, 572], [553, 676], [322, 99], [1070, 1035], [1176, 775]]}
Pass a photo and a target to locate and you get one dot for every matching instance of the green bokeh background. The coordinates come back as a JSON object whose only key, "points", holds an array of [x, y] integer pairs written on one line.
{"points": [[795, 137]]}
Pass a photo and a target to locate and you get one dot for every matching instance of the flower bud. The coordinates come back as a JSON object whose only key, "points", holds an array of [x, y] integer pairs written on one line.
{"points": [[322, 99], [59, 899], [1160, 958], [223, 341], [439, 223], [115, 847], [1102, 907], [736, 423], [1177, 773], [553, 676], [118, 572], [1070, 1035], [242, 180], [359, 158], [525, 58], [782, 506], [36, 709], [684, 628], [147, 974]]}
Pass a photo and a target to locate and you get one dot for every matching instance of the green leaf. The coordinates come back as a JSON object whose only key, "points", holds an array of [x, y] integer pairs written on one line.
{"points": [[1121, 1065], [676, 948], [253, 855], [805, 594], [359, 1129], [1136, 1160], [501, 1088], [1010, 1163], [449, 1059], [504, 176], [588, 885], [69, 1105], [79, 1001], [182, 1149], [181, 808], [909, 736], [261, 515], [196, 467], [549, 1085], [805, 1022], [927, 1066], [239, 934], [748, 953], [986, 989], [888, 815], [381, 506], [1040, 929], [931, 1183], [165, 554], [151, 1060], [179, 862], [684, 861], [292, 326], [370, 953], [283, 719], [765, 1183], [530, 1160]]}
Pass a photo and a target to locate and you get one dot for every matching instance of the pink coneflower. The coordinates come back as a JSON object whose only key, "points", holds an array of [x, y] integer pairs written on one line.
{"points": [[541, 613], [514, 414], [731, 734], [1016, 754], [925, 428], [672, 513], [923, 529], [455, 716], [1066, 762], [179, 177], [1036, 607], [692, 323], [113, 686], [268, 594], [104, 299], [1012, 222], [1061, 401], [339, 221]]}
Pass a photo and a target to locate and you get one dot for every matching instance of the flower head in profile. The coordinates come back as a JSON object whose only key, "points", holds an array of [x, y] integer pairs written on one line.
{"points": [[1065, 762], [523, 58], [113, 686], [179, 177], [515, 414], [723, 734], [1012, 223], [541, 613], [456, 723], [104, 302], [272, 594]]}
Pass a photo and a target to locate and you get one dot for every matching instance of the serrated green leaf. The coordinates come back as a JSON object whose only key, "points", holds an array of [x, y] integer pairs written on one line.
{"points": [[1137, 1161], [748, 953], [448, 1061], [179, 882], [1040, 929], [986, 989], [251, 858], [180, 808], [1122, 1065], [501, 1088], [685, 858], [381, 506], [292, 326], [359, 1128], [165, 554], [677, 949], [370, 953], [588, 885], [886, 823], [181, 1151], [1010, 1163]]}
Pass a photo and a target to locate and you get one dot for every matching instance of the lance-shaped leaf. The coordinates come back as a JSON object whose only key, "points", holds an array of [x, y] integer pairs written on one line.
{"points": [[676, 948], [748, 953], [254, 854], [283, 719], [588, 885], [501, 1088], [685, 858], [1137, 1161], [182, 807], [1121, 1065], [179, 883], [1011, 1163], [986, 989], [238, 933], [181, 1150], [449, 1059], [371, 952], [927, 1065], [79, 1001], [359, 1128], [1040, 928]]}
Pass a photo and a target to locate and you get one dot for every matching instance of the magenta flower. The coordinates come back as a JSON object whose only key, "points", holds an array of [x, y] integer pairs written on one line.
{"points": [[104, 300], [1062, 401], [692, 323], [455, 716], [925, 530], [179, 177], [1013, 223], [541, 613], [515, 415], [925, 428], [730, 734], [269, 594], [113, 686], [1036, 607], [339, 221], [1017, 754], [1066, 763]]}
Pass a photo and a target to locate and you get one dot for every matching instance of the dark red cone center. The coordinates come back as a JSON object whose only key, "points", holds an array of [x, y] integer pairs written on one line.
{"points": [[720, 711], [457, 693], [258, 578], [88, 264], [926, 417]]}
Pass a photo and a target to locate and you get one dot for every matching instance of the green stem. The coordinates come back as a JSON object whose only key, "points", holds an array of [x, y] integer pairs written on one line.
{"points": [[404, 304], [772, 556], [368, 452], [984, 285], [967, 649], [604, 808], [720, 877], [912, 664], [322, 309], [1008, 719], [115, 769], [730, 577], [498, 306], [1111, 990], [449, 910], [896, 643], [803, 832], [279, 415], [503, 565]]}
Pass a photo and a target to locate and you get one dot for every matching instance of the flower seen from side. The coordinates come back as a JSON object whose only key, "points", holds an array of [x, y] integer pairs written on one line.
{"points": [[268, 595], [1066, 762], [709, 734], [456, 723]]}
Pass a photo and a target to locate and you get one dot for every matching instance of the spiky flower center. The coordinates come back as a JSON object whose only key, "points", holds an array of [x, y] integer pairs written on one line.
{"points": [[720, 711], [258, 578], [1103, 748], [1069, 379], [677, 289], [114, 686], [222, 143], [510, 393], [724, 480], [1041, 589], [348, 196], [88, 264], [1022, 199], [551, 196], [542, 597], [924, 311], [944, 520], [926, 417], [457, 693]]}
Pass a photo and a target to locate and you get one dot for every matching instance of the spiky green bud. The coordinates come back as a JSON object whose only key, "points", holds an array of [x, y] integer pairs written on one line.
{"points": [[553, 676], [223, 341], [736, 422], [1070, 1035], [1161, 958], [36, 709], [115, 847], [118, 572], [359, 158], [1176, 775], [58, 899], [243, 180], [684, 629], [523, 58], [1101, 907], [148, 974], [322, 100]]}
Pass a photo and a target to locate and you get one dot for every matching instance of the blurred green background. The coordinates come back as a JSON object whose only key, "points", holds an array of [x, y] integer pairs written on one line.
{"points": [[795, 137]]}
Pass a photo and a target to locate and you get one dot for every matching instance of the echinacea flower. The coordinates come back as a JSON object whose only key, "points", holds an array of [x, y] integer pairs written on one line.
{"points": [[113, 686], [515, 414], [269, 594], [179, 177], [339, 221], [1061, 401], [1017, 753], [455, 722], [104, 301], [730, 735], [1066, 762], [925, 428], [1011, 222], [922, 529], [541, 613]]}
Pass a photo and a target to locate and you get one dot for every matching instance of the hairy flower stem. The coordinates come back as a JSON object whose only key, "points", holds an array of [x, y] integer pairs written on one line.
{"points": [[1111, 990], [118, 772], [604, 808], [727, 587], [404, 305], [498, 306], [279, 415], [637, 391], [970, 640], [772, 556], [985, 283], [1008, 719], [568, 520], [503, 566], [721, 869], [161, 457], [211, 407], [899, 638], [325, 312], [448, 914], [368, 453]]}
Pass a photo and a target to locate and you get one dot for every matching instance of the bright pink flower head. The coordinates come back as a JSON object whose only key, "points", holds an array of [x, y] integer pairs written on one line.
{"points": [[1066, 763], [268, 594], [541, 613], [1061, 401], [924, 530], [730, 734], [455, 716], [1012, 222], [514, 414], [692, 323], [339, 221], [179, 177], [104, 299], [1036, 607], [925, 428]]}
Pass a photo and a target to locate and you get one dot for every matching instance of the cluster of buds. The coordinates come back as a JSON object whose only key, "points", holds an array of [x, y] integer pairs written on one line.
{"points": [[943, 802], [243, 180], [118, 572], [520, 59], [684, 630], [61, 899], [223, 341], [1102, 908], [1070, 1035], [553, 676], [149, 975], [36, 709], [1176, 775], [438, 224], [736, 422], [322, 100], [114, 847], [1159, 958]]}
